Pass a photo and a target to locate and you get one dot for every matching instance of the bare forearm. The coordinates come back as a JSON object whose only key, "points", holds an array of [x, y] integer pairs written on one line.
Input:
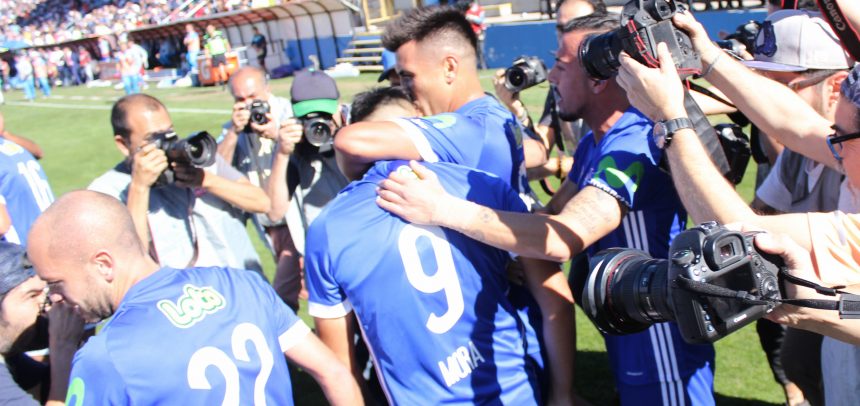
{"points": [[61, 368], [768, 104], [138, 207], [243, 195], [26, 143], [276, 187], [535, 153], [522, 233]]}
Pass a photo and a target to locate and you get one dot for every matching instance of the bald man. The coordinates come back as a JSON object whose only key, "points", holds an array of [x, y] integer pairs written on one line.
{"points": [[209, 317], [250, 147]]}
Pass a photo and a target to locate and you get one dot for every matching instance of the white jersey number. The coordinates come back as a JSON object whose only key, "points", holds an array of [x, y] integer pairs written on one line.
{"points": [[444, 279], [211, 356], [40, 187]]}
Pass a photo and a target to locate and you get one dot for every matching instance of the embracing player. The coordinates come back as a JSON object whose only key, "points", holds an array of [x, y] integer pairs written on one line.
{"points": [[431, 303], [185, 337]]}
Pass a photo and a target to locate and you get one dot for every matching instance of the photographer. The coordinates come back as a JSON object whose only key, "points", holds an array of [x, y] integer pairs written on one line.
{"points": [[304, 176], [249, 141], [571, 132], [830, 237], [195, 220], [616, 196]]}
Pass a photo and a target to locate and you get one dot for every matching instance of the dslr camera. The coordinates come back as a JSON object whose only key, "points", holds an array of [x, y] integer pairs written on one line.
{"points": [[525, 72], [258, 109], [742, 39], [319, 128], [713, 283], [197, 150], [644, 24]]}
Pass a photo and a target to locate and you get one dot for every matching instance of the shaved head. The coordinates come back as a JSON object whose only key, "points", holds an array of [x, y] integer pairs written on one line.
{"points": [[81, 245], [247, 81]]}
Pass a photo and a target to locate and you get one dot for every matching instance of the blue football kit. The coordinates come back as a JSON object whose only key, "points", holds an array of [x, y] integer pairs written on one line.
{"points": [[481, 134], [197, 336], [654, 366], [24, 189], [431, 303]]}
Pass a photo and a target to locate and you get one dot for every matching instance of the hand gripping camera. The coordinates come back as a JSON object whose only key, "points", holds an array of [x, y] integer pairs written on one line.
{"points": [[197, 150], [258, 110], [525, 72], [714, 283]]}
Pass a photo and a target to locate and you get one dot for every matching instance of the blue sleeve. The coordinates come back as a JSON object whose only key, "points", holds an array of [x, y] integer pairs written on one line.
{"points": [[325, 297], [624, 163], [447, 137], [289, 328], [94, 379]]}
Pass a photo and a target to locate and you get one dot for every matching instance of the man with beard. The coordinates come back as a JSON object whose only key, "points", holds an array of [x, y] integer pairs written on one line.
{"points": [[615, 196]]}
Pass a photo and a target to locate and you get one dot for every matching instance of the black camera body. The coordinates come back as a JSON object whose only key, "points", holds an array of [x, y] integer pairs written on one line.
{"points": [[319, 128], [525, 72], [744, 36], [717, 256], [627, 290], [736, 146], [644, 24], [198, 150], [258, 109]]}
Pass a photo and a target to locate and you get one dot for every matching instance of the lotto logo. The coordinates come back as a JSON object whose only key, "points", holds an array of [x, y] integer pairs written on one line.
{"points": [[195, 304]]}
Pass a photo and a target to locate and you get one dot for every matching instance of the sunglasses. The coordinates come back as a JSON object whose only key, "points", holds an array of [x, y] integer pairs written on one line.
{"points": [[835, 142]]}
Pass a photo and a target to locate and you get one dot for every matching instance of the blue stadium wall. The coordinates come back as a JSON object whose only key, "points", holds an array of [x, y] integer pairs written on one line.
{"points": [[506, 42]]}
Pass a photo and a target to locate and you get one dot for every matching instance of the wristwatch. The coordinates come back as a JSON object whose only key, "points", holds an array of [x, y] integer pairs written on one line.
{"points": [[665, 129]]}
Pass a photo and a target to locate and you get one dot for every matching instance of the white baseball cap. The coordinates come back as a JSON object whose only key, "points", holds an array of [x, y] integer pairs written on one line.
{"points": [[795, 41]]}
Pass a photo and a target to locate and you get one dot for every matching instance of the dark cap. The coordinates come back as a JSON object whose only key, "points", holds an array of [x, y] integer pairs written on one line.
{"points": [[389, 61], [14, 266], [313, 91]]}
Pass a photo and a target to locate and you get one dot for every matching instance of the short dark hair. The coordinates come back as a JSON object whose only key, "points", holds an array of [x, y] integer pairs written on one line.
{"points": [[365, 103], [593, 22], [119, 111], [426, 22], [598, 5]]}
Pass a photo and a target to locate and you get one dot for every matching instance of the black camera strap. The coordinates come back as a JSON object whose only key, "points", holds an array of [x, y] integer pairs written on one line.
{"points": [[848, 304], [847, 34]]}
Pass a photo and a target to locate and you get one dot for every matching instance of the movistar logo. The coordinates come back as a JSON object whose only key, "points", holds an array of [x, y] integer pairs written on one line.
{"points": [[75, 395], [628, 178], [195, 304], [441, 121]]}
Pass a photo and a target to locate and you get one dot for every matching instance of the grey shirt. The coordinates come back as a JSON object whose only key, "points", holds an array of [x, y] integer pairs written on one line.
{"points": [[797, 184], [10, 392], [219, 227]]}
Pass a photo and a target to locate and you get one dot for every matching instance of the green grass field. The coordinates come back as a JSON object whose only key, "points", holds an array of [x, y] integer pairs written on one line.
{"points": [[73, 128]]}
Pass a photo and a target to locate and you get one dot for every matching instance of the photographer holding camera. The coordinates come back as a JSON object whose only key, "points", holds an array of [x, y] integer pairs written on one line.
{"points": [[549, 123], [304, 171], [831, 238], [616, 196], [249, 141], [188, 204]]}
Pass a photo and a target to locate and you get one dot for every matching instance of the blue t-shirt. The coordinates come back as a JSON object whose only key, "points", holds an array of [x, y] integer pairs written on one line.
{"points": [[481, 134], [197, 336], [624, 164], [24, 189], [430, 302]]}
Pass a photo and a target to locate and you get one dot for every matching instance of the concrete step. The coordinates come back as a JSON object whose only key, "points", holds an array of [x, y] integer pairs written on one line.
{"points": [[377, 33], [369, 68], [365, 42], [375, 50], [356, 59]]}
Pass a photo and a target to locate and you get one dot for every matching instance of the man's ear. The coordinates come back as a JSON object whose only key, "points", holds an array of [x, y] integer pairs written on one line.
{"points": [[122, 145], [598, 85], [832, 88], [451, 67], [104, 263]]}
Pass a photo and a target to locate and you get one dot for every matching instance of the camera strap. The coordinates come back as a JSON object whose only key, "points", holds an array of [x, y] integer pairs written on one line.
{"points": [[836, 18], [848, 304]]}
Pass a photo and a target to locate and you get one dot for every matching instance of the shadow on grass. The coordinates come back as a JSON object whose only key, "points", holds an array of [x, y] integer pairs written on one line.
{"points": [[724, 400]]}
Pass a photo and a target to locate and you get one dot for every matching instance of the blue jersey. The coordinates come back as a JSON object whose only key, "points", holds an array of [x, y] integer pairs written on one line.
{"points": [[430, 302], [24, 189], [624, 164], [198, 336], [481, 134]]}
